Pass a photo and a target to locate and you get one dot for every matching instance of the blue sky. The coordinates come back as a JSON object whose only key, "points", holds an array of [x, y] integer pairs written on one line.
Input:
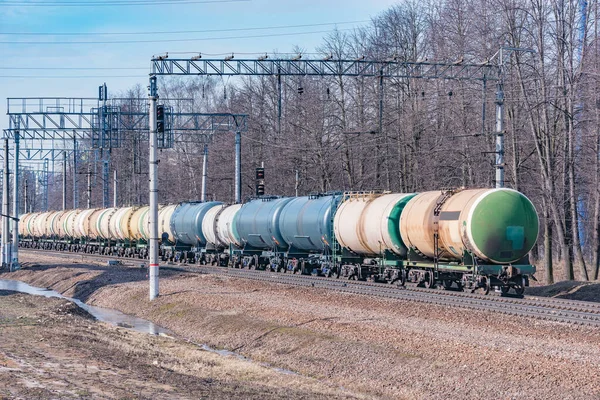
{"points": [[48, 59]]}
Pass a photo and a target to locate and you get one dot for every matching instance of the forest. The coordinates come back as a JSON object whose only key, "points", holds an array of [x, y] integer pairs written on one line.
{"points": [[432, 134]]}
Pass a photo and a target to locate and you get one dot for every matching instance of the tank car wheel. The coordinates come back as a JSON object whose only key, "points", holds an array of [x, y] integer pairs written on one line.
{"points": [[487, 286], [402, 278], [504, 289], [448, 284], [520, 289], [334, 272], [429, 280]]}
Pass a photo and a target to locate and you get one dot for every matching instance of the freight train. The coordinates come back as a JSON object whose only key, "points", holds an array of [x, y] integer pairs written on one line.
{"points": [[456, 239]]}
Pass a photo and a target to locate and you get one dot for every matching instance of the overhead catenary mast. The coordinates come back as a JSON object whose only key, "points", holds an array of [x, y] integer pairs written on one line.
{"points": [[153, 191]]}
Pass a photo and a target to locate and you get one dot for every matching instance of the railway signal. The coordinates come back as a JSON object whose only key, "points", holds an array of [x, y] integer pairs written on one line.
{"points": [[260, 181], [160, 118]]}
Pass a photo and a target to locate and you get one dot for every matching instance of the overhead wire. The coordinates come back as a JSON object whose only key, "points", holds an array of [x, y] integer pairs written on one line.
{"points": [[72, 68], [12, 42], [67, 76], [177, 32], [57, 3]]}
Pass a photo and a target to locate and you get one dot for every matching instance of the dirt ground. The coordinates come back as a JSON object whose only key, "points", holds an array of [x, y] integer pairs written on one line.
{"points": [[51, 349], [368, 346]]}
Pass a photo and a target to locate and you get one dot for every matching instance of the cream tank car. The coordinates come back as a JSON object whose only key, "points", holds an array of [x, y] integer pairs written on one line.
{"points": [[499, 226]]}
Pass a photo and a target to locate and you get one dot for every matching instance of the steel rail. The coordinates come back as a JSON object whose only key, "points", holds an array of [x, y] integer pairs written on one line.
{"points": [[559, 310]]}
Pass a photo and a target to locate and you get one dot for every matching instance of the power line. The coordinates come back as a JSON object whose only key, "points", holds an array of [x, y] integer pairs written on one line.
{"points": [[69, 76], [113, 3], [168, 40], [72, 68], [177, 32]]}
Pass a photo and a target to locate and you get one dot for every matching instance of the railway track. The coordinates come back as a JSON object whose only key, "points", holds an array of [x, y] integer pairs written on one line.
{"points": [[560, 310]]}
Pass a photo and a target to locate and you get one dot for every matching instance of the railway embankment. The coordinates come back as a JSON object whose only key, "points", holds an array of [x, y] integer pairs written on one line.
{"points": [[373, 347], [50, 349]]}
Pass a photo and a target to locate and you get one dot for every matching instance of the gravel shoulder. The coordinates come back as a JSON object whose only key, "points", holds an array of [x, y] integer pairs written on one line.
{"points": [[371, 347]]}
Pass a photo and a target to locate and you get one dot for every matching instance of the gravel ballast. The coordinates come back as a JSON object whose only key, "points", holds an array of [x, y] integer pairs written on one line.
{"points": [[370, 346]]}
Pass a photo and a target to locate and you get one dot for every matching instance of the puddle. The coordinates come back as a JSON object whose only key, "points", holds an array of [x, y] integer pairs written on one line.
{"points": [[241, 357], [117, 318], [107, 315]]}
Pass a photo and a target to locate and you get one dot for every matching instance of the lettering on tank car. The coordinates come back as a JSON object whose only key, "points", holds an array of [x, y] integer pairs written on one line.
{"points": [[449, 215]]}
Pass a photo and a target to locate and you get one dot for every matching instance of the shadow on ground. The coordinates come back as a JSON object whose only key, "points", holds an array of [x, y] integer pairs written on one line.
{"points": [[66, 273], [572, 290]]}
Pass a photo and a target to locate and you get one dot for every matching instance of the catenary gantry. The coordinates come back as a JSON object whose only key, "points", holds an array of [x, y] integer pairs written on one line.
{"points": [[52, 129], [286, 67]]}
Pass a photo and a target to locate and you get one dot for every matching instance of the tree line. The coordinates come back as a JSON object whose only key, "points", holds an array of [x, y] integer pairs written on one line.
{"points": [[432, 134]]}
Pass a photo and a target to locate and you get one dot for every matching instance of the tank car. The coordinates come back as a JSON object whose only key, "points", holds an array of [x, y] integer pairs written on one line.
{"points": [[367, 229], [209, 228], [476, 238], [306, 224], [226, 231], [257, 225], [185, 224]]}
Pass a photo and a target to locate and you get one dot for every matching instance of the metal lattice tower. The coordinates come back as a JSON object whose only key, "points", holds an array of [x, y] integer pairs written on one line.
{"points": [[54, 129]]}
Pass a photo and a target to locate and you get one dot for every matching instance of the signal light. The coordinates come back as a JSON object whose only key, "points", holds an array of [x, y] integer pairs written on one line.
{"points": [[160, 118], [260, 173], [260, 181]]}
